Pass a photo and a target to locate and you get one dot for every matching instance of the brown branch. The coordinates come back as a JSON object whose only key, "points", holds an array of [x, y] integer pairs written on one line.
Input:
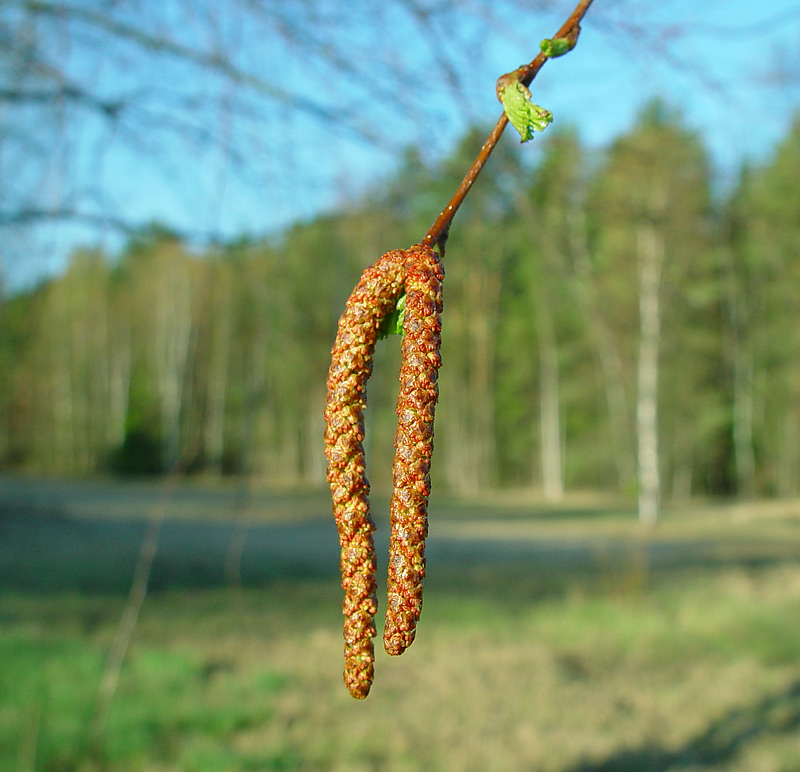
{"points": [[437, 233], [33, 215], [65, 92]]}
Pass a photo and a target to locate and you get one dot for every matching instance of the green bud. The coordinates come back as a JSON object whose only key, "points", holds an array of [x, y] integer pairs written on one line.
{"points": [[553, 47], [393, 323], [525, 115]]}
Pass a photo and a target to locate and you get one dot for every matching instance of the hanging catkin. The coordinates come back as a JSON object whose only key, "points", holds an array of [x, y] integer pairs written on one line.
{"points": [[374, 297], [419, 271], [416, 402]]}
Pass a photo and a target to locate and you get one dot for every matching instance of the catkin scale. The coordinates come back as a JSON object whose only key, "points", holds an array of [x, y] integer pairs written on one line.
{"points": [[416, 403], [373, 298]]}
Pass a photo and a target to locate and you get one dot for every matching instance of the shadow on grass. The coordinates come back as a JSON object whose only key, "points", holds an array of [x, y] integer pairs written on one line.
{"points": [[47, 551], [44, 550], [773, 716]]}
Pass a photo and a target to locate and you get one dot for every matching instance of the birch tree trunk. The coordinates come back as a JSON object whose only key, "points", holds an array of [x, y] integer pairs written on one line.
{"points": [[549, 408], [650, 249], [118, 374], [221, 332], [607, 350], [313, 461], [173, 325], [63, 445], [483, 325], [743, 375]]}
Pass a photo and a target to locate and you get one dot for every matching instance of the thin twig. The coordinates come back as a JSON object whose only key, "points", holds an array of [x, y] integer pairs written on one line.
{"points": [[437, 233], [126, 626], [130, 614]]}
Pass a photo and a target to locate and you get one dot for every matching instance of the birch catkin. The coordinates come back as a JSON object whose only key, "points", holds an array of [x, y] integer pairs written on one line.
{"points": [[373, 298], [416, 402], [420, 272]]}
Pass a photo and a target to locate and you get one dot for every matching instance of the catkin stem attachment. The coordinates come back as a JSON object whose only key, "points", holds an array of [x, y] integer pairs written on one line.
{"points": [[416, 403], [373, 298]]}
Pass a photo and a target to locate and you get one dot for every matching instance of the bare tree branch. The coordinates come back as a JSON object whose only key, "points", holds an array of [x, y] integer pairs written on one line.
{"points": [[217, 61]]}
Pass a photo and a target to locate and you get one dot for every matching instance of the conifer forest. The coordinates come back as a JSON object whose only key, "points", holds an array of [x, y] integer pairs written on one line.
{"points": [[593, 287]]}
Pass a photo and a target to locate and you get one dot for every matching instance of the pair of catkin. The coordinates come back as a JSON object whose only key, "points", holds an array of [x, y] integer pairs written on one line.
{"points": [[417, 270]]}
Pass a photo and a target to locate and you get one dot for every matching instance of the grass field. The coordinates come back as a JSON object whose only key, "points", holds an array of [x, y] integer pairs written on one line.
{"points": [[561, 639]]}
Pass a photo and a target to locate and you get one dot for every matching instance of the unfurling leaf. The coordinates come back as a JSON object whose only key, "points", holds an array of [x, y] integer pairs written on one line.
{"points": [[393, 323], [524, 114]]}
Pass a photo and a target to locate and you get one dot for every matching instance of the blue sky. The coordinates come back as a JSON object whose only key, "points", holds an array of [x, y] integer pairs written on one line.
{"points": [[732, 66]]}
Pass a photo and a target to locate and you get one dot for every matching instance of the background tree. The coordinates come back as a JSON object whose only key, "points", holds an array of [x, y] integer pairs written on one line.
{"points": [[651, 201], [763, 308], [548, 257]]}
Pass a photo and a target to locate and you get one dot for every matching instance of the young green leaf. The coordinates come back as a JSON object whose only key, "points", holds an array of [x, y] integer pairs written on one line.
{"points": [[524, 114], [393, 323]]}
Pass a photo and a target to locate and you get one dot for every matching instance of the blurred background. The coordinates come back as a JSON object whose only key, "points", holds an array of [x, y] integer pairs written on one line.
{"points": [[188, 193]]}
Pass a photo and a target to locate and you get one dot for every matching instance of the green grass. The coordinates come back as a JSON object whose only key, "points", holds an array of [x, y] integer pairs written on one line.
{"points": [[600, 649]]}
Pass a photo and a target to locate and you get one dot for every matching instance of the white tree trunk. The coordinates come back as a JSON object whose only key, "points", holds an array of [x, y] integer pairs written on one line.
{"points": [[313, 458], [607, 352], [173, 326], [221, 323], [119, 381], [650, 248], [482, 313], [550, 412], [743, 374]]}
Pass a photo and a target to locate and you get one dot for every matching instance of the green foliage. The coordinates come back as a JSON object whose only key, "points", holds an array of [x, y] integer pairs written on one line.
{"points": [[218, 361], [762, 301]]}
